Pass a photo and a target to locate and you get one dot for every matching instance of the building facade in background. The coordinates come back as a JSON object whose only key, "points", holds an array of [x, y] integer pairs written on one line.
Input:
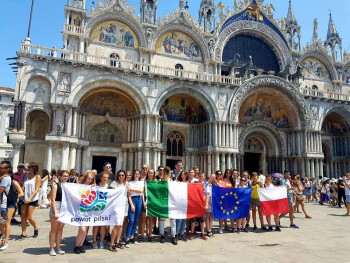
{"points": [[234, 90], [6, 121]]}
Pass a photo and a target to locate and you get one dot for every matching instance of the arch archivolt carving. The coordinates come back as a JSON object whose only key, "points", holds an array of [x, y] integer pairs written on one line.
{"points": [[181, 26], [278, 84], [344, 112], [98, 18], [324, 58], [271, 134], [256, 29], [199, 94], [109, 82]]}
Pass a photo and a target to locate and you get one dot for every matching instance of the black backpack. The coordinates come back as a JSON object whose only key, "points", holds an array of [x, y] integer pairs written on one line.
{"points": [[12, 195]]}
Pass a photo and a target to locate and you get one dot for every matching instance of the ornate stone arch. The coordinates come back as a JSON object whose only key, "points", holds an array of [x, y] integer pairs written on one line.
{"points": [[110, 82], [133, 23], [272, 82], [268, 130], [324, 58], [344, 69], [258, 30], [185, 25], [195, 92], [344, 112]]}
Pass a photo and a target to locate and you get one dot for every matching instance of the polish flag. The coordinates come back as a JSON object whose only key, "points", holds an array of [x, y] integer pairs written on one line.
{"points": [[273, 200]]}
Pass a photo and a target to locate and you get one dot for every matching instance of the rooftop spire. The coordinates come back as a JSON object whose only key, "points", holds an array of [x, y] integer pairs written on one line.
{"points": [[291, 16], [332, 31]]}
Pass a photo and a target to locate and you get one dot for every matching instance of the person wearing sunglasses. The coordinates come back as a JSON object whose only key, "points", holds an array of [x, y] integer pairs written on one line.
{"points": [[241, 222], [117, 229], [107, 168], [221, 183]]}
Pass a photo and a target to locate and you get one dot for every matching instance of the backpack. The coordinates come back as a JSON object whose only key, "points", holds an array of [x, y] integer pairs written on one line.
{"points": [[12, 195]]}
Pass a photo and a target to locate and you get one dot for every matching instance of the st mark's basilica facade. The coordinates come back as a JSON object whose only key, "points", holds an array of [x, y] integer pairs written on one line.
{"points": [[235, 89]]}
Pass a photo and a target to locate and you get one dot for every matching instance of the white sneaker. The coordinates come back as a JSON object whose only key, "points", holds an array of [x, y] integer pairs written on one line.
{"points": [[2, 237], [102, 245], [94, 245], [60, 251], [52, 252], [4, 246], [221, 231]]}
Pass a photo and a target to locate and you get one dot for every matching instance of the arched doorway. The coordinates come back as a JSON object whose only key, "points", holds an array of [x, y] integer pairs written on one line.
{"points": [[37, 126], [335, 133]]}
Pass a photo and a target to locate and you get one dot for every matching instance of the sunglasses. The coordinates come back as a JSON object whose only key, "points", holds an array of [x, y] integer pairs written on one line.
{"points": [[108, 167], [121, 174], [219, 173], [243, 180], [144, 168]]}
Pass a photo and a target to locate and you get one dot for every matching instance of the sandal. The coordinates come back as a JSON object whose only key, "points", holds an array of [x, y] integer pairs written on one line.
{"points": [[140, 238], [112, 249], [22, 237], [120, 246], [150, 239], [210, 234]]}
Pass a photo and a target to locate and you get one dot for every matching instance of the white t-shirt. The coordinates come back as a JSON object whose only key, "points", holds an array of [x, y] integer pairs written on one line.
{"points": [[244, 186], [262, 178], [269, 186], [194, 180], [136, 185], [347, 189], [5, 182]]}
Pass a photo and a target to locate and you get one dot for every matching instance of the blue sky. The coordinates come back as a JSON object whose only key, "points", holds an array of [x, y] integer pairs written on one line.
{"points": [[48, 21]]}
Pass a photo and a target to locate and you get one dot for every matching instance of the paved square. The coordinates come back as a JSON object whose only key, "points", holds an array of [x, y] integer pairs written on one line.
{"points": [[324, 238]]}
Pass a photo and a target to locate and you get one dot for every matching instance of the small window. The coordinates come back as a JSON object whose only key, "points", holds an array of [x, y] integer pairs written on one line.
{"points": [[114, 60], [315, 87], [179, 67]]}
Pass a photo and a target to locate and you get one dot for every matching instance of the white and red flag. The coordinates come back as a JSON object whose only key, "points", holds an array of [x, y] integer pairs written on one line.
{"points": [[273, 200]]}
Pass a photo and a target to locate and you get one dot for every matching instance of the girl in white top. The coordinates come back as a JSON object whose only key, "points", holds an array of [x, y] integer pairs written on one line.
{"points": [[208, 205], [43, 201], [31, 197], [299, 190], [241, 222], [269, 185]]}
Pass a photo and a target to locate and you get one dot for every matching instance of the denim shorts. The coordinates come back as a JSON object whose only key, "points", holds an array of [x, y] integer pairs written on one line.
{"points": [[4, 213]]}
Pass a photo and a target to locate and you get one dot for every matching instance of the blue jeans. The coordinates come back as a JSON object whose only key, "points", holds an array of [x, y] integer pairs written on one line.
{"points": [[134, 217], [180, 225]]}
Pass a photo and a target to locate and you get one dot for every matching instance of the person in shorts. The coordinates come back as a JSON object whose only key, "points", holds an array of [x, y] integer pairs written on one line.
{"points": [[347, 193]]}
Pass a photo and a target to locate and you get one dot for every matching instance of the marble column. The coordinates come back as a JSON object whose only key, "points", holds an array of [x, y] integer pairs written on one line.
{"points": [[312, 166], [21, 123], [64, 157], [234, 163], [209, 169], [49, 157], [215, 135], [217, 161], [72, 157], [131, 160], [147, 129], [53, 120], [15, 115], [223, 162], [228, 161], [219, 134], [146, 156], [84, 166], [65, 125], [78, 160], [317, 168], [16, 150], [163, 158], [321, 167], [83, 126], [75, 122], [125, 159], [155, 159]]}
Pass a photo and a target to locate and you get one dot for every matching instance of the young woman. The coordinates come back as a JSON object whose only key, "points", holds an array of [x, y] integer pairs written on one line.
{"points": [[299, 190], [150, 221], [166, 178], [241, 222], [136, 202], [208, 206], [117, 229], [87, 179], [56, 227], [73, 177], [31, 196], [230, 182], [308, 191], [269, 185], [200, 220], [255, 201], [102, 229], [313, 183], [126, 220], [43, 201], [181, 223], [325, 192], [333, 192]]}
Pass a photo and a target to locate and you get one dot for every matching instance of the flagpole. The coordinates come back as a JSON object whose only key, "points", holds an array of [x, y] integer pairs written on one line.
{"points": [[30, 21]]}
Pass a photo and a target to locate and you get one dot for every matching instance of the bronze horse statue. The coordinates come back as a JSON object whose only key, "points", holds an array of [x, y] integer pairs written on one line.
{"points": [[233, 64], [296, 76]]}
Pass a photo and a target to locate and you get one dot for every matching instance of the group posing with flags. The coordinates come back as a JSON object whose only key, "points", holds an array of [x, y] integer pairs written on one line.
{"points": [[114, 206]]}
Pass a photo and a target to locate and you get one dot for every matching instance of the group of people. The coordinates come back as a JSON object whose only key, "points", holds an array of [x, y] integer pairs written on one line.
{"points": [[27, 189]]}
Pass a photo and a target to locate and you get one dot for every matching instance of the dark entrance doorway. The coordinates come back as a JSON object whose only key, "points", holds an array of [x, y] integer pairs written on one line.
{"points": [[98, 161], [251, 162], [171, 163]]}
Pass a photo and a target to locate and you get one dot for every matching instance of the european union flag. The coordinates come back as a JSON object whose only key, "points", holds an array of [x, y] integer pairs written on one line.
{"points": [[230, 203]]}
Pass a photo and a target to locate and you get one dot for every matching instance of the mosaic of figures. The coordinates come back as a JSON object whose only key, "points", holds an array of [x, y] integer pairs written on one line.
{"points": [[108, 103], [115, 32], [264, 107], [178, 43], [315, 69], [335, 124], [105, 134], [183, 109]]}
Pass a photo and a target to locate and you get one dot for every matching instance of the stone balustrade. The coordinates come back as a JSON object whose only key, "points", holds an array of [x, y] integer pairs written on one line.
{"points": [[126, 65], [73, 29], [327, 95]]}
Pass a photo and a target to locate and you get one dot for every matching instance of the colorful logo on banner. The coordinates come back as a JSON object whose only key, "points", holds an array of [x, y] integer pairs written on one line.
{"points": [[231, 209], [93, 201]]}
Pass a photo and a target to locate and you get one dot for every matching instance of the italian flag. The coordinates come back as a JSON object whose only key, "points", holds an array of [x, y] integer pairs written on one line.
{"points": [[273, 200], [175, 200]]}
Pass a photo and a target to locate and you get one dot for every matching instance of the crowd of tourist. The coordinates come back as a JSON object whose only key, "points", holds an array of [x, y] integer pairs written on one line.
{"points": [[27, 189]]}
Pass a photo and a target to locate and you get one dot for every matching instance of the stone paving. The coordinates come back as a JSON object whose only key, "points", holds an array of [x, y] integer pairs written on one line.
{"points": [[324, 238]]}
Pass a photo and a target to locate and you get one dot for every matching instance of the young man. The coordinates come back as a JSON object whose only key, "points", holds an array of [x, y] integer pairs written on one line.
{"points": [[160, 172], [347, 193], [19, 177], [107, 168], [144, 172], [196, 171], [178, 169], [7, 209], [285, 181], [191, 176], [262, 178]]}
